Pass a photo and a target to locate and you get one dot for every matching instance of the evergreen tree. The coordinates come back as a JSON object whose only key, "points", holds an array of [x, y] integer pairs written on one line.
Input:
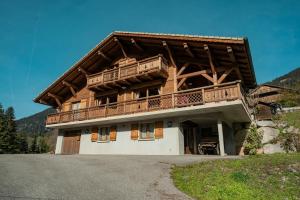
{"points": [[43, 146], [10, 126], [34, 146], [3, 136], [21, 143]]}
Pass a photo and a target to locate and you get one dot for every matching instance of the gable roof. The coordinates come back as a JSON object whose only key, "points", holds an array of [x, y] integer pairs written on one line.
{"points": [[108, 46]]}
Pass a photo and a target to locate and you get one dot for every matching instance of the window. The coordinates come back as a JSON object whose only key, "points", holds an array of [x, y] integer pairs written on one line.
{"points": [[146, 131], [102, 100], [104, 134], [147, 92], [76, 105]]}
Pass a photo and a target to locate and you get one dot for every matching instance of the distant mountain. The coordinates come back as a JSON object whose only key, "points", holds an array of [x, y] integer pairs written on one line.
{"points": [[34, 124], [289, 80]]}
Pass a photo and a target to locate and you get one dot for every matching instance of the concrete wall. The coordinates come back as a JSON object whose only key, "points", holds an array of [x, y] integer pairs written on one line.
{"points": [[168, 145], [59, 142]]}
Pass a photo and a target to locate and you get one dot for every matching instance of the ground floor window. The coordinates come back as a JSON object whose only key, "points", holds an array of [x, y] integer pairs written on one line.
{"points": [[146, 131], [104, 134]]}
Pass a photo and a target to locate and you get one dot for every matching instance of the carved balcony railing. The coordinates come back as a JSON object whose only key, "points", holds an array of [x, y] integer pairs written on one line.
{"points": [[155, 66], [197, 96]]}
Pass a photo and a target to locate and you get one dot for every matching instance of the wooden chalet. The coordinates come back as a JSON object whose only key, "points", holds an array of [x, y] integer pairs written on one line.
{"points": [[135, 93], [266, 95]]}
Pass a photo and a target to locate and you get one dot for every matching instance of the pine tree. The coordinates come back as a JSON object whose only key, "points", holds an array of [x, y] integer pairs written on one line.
{"points": [[10, 127], [34, 146], [3, 135]]}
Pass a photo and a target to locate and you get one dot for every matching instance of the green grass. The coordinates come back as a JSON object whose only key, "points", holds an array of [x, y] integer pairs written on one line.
{"points": [[292, 118], [274, 176]]}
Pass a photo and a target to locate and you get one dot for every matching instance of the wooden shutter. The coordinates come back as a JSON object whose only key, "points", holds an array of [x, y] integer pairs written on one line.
{"points": [[134, 131], [113, 133], [83, 103], [94, 134], [66, 107], [159, 130]]}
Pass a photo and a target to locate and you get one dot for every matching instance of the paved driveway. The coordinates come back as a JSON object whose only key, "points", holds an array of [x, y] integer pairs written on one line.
{"points": [[90, 176]]}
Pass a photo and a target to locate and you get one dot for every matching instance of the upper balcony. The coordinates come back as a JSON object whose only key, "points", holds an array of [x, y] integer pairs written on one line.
{"points": [[150, 67], [226, 92]]}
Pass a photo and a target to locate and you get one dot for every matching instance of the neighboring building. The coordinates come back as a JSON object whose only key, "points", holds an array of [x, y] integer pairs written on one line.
{"points": [[152, 94], [265, 97]]}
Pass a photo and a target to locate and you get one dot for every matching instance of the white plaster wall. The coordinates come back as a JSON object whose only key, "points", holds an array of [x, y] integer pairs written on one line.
{"points": [[59, 142], [168, 145]]}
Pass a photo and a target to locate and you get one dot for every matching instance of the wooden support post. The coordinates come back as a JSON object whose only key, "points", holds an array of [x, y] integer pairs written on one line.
{"points": [[136, 45], [234, 62], [83, 71], [181, 82], [188, 50], [104, 56], [183, 68], [71, 86], [121, 46], [224, 75], [56, 98], [221, 138], [166, 46], [211, 63]]}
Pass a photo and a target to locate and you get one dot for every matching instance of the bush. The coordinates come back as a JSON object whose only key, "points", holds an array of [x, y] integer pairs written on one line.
{"points": [[253, 140]]}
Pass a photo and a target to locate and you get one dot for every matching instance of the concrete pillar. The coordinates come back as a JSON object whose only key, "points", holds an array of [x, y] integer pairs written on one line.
{"points": [[221, 138]]}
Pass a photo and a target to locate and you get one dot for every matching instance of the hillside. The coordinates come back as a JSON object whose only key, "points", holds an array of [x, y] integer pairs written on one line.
{"points": [[289, 80], [34, 124]]}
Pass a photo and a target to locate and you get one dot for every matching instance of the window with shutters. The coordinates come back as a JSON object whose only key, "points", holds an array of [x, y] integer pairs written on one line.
{"points": [[146, 131], [103, 134]]}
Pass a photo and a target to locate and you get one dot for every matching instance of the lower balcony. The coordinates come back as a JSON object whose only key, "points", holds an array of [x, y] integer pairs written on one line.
{"points": [[187, 98]]}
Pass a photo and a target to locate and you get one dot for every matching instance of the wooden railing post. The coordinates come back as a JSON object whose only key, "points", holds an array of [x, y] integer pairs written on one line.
{"points": [[173, 100], [239, 91], [203, 96]]}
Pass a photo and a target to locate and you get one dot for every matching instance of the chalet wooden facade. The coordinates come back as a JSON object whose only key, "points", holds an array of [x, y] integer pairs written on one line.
{"points": [[135, 93]]}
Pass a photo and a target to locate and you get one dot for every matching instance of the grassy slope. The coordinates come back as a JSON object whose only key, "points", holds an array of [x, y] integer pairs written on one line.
{"points": [[292, 118], [274, 176]]}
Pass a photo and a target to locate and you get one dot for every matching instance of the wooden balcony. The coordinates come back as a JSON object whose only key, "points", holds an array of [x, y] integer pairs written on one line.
{"points": [[150, 67], [197, 96]]}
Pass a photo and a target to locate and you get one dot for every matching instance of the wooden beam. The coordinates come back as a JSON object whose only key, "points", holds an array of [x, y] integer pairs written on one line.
{"points": [[181, 82], [104, 56], [42, 101], [198, 73], [188, 50], [211, 63], [106, 86], [83, 71], [146, 84], [71, 86], [224, 75], [211, 79], [234, 62], [183, 68], [136, 45], [56, 98], [121, 46], [166, 46]]}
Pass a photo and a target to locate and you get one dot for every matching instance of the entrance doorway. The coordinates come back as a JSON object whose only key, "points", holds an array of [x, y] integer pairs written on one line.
{"points": [[190, 137], [71, 142]]}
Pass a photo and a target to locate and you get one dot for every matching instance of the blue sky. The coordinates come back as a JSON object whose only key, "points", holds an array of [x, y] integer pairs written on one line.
{"points": [[39, 40]]}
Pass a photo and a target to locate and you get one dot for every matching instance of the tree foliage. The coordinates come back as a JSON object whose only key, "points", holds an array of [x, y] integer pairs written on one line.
{"points": [[13, 142]]}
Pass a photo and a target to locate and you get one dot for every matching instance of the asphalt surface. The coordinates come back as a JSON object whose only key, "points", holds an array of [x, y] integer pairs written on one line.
{"points": [[91, 176]]}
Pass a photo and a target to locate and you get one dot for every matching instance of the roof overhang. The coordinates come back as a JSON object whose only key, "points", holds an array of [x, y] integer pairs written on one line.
{"points": [[108, 47]]}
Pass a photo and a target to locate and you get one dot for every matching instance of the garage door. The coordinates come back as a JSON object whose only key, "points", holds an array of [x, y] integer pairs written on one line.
{"points": [[71, 142]]}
